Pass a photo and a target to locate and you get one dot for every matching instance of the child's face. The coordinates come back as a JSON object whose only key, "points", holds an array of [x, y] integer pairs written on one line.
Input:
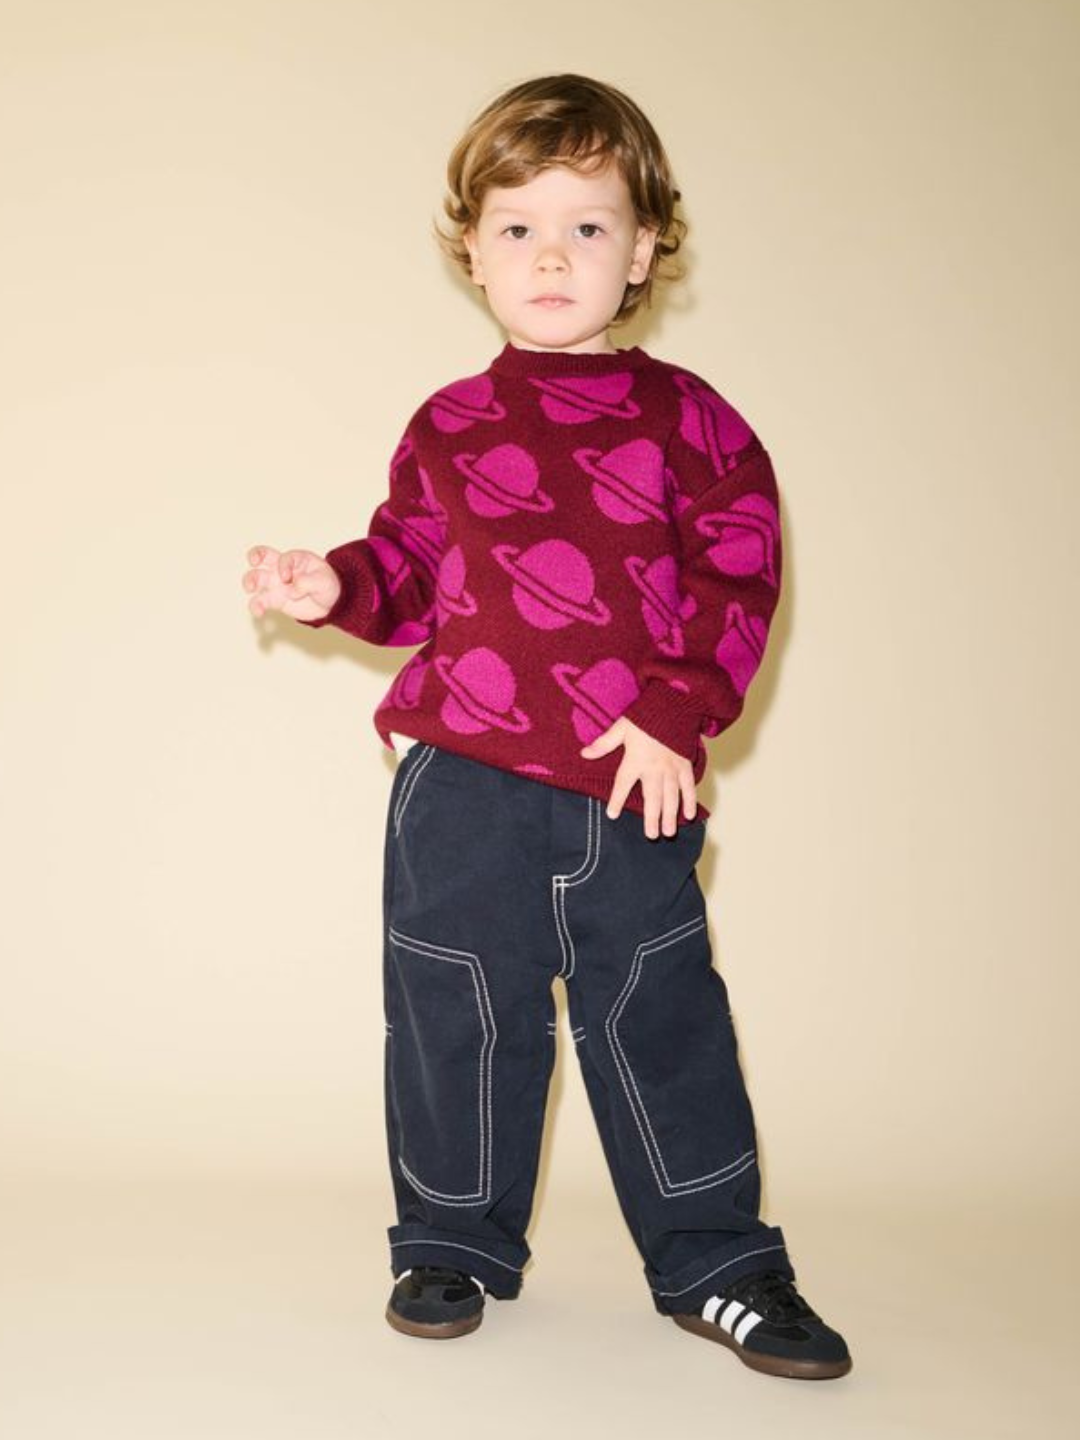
{"points": [[565, 234]]}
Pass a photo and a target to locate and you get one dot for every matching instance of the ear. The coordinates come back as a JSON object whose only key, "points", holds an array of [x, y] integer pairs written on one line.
{"points": [[641, 258], [469, 237]]}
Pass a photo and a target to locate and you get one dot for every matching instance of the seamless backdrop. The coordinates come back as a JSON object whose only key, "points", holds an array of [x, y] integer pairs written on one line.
{"points": [[221, 300]]}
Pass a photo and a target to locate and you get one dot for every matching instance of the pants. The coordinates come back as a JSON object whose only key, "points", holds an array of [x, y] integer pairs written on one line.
{"points": [[494, 884]]}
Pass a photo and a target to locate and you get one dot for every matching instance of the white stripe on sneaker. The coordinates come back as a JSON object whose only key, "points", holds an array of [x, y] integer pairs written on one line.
{"points": [[731, 1313], [745, 1325], [709, 1309]]}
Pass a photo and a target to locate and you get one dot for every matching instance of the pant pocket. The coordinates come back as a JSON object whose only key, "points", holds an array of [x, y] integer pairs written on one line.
{"points": [[439, 1073], [673, 1045], [410, 768]]}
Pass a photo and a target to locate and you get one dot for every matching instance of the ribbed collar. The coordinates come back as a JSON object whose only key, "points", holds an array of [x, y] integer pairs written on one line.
{"points": [[514, 360]]}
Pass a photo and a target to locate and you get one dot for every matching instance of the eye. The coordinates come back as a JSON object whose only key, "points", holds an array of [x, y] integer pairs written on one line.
{"points": [[509, 228], [589, 225]]}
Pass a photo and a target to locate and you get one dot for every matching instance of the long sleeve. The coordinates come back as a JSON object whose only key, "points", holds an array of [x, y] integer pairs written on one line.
{"points": [[388, 578], [727, 515]]}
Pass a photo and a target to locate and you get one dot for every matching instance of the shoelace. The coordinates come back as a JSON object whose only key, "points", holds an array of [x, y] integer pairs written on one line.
{"points": [[439, 1275], [772, 1295]]}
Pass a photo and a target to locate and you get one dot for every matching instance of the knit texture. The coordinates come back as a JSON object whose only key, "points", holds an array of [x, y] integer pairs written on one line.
{"points": [[568, 538]]}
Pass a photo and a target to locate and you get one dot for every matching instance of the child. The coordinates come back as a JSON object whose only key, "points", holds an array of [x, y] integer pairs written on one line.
{"points": [[585, 543]]}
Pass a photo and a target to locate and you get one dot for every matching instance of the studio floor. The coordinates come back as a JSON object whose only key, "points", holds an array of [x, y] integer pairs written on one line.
{"points": [[215, 1308]]}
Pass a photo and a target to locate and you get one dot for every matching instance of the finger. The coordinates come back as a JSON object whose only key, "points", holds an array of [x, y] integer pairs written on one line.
{"points": [[604, 743], [620, 788], [653, 796], [671, 805], [689, 793]]}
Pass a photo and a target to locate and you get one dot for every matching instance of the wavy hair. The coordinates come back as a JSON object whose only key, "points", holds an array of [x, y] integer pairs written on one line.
{"points": [[577, 122]]}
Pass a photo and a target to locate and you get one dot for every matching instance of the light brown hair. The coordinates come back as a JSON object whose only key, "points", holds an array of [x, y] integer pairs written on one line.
{"points": [[573, 121]]}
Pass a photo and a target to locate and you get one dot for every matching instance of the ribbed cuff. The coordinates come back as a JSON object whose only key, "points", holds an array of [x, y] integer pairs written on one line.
{"points": [[668, 715], [351, 611]]}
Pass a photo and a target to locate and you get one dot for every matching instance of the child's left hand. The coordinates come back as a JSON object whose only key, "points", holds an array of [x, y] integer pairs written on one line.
{"points": [[663, 774]]}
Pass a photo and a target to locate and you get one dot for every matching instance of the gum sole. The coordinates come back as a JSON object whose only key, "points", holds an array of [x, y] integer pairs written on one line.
{"points": [[446, 1330], [767, 1364]]}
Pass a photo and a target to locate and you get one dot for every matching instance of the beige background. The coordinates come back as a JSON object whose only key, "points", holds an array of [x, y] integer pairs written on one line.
{"points": [[220, 303]]}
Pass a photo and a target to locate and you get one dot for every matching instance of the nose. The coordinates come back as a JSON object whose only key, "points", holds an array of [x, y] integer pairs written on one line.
{"points": [[551, 257]]}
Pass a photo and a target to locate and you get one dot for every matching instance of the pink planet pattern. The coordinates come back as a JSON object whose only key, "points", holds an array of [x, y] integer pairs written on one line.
{"points": [[393, 567], [502, 480], [429, 500], [677, 499], [411, 632], [576, 399], [749, 537], [407, 690], [554, 584], [421, 535], [710, 424], [402, 452], [451, 596], [466, 402], [482, 688], [663, 609], [599, 694], [629, 481], [742, 645]]}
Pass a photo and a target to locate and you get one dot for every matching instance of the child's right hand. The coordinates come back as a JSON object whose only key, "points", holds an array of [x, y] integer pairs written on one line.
{"points": [[297, 582]]}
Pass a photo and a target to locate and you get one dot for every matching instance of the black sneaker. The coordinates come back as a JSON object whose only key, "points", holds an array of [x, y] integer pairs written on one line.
{"points": [[435, 1302], [768, 1324]]}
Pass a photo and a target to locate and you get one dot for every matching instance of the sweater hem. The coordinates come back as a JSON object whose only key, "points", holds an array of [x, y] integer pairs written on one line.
{"points": [[593, 783]]}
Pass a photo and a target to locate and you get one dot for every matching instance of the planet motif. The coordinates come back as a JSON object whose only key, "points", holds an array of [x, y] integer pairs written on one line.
{"points": [[677, 499], [451, 597], [574, 399], [742, 646], [749, 535], [401, 453], [554, 584], [628, 481], [404, 693], [482, 688], [600, 694], [429, 500], [502, 480], [662, 609], [412, 632], [395, 569], [709, 423], [422, 535], [463, 403]]}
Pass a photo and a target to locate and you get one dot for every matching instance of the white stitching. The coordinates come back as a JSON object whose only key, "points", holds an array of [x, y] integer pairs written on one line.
{"points": [[669, 1189], [394, 1244], [561, 883], [476, 970], [763, 1250], [410, 782]]}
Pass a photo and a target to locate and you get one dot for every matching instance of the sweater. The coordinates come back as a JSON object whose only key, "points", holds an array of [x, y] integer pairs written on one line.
{"points": [[568, 537]]}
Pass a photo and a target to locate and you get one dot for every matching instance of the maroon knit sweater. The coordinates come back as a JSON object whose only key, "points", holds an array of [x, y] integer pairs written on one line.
{"points": [[569, 538]]}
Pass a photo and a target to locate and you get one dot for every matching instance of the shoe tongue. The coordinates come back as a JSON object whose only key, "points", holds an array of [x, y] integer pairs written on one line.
{"points": [[441, 1274]]}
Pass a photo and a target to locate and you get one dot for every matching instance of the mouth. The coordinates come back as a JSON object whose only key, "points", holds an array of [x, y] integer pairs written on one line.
{"points": [[551, 302]]}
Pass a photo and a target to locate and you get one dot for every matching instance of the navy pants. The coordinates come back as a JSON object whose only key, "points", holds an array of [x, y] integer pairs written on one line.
{"points": [[494, 884]]}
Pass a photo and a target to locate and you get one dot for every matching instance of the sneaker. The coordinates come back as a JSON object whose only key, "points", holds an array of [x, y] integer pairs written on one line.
{"points": [[435, 1302], [769, 1325]]}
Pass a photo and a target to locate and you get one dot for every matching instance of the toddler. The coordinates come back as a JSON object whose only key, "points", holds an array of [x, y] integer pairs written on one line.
{"points": [[584, 542]]}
